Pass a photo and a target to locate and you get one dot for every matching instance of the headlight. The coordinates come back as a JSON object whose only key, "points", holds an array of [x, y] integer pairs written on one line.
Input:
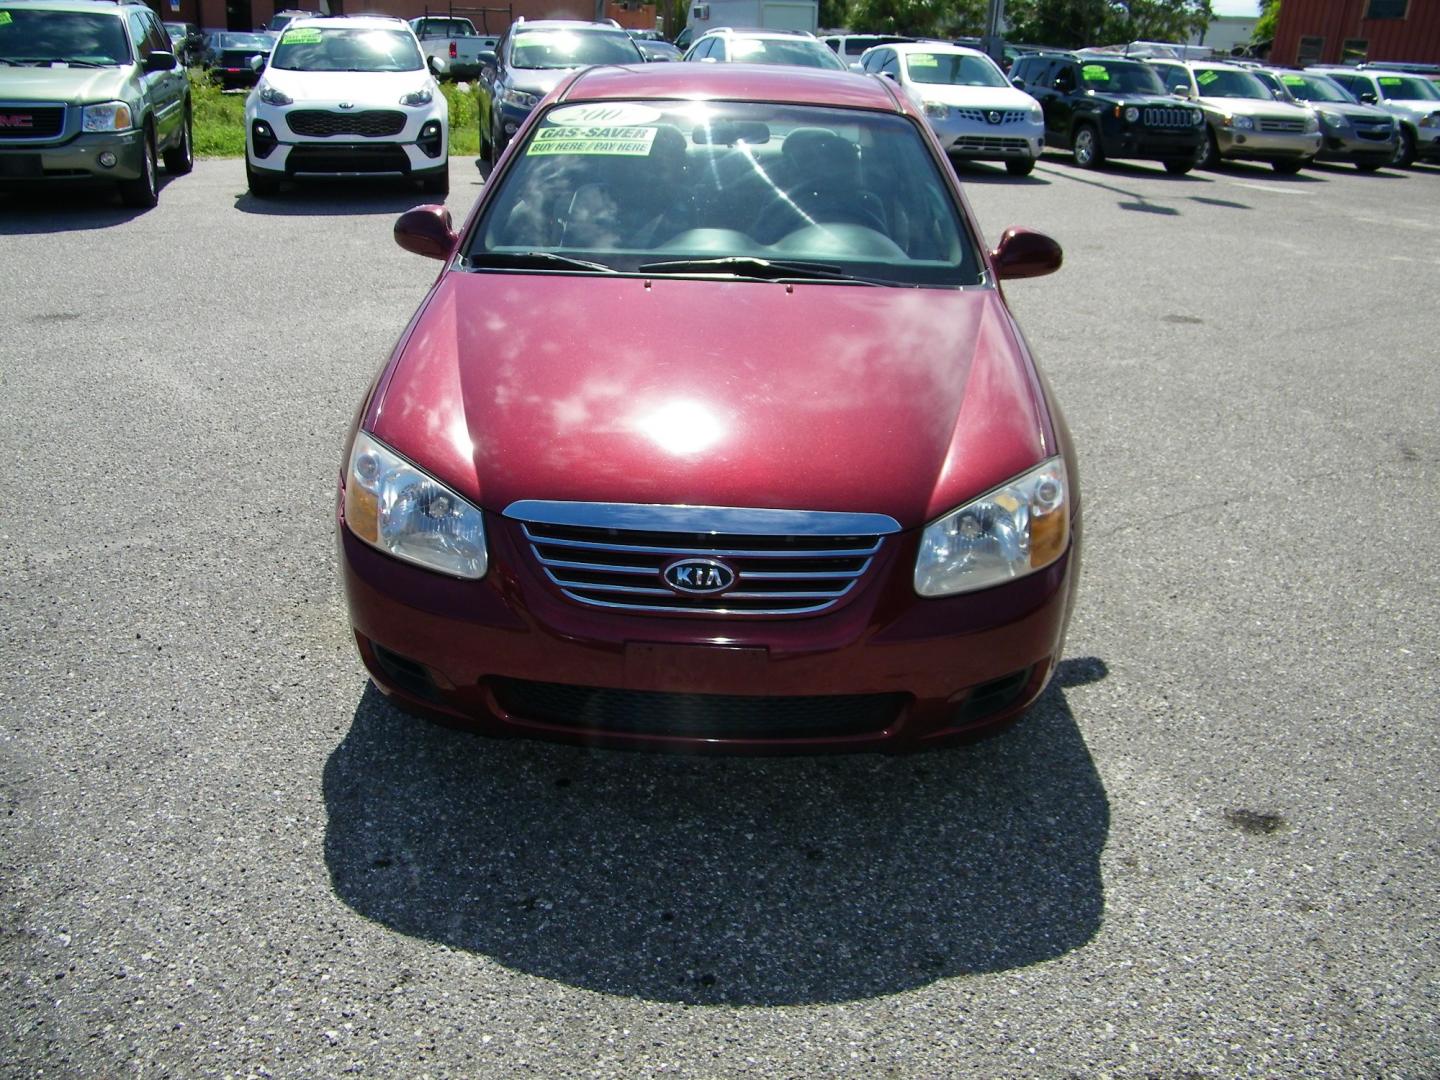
{"points": [[1332, 119], [520, 99], [1036, 116], [1199, 118], [1015, 530], [1132, 114], [935, 110], [1433, 120], [1312, 125], [417, 98], [400, 510], [111, 116], [1243, 123], [270, 96]]}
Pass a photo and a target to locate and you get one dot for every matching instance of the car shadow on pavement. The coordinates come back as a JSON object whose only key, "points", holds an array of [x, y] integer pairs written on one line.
{"points": [[980, 172], [338, 200], [78, 208], [707, 880]]}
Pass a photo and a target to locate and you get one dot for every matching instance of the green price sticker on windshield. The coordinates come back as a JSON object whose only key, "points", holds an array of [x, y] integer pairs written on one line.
{"points": [[612, 141], [1205, 78], [306, 35], [1292, 80], [924, 60], [1095, 73], [5, 18], [1389, 82]]}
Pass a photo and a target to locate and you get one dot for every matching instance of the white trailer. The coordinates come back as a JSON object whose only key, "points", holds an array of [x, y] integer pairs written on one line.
{"points": [[752, 15]]}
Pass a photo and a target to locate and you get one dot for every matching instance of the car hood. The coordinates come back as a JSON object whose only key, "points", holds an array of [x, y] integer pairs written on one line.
{"points": [[537, 81], [900, 401], [51, 84], [361, 88], [974, 97], [1344, 108], [1257, 108], [1414, 108]]}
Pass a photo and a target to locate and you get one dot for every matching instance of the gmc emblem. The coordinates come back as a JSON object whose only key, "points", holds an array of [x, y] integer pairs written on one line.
{"points": [[22, 121]]}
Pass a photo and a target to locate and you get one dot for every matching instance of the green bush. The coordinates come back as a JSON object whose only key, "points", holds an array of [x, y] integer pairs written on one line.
{"points": [[220, 119]]}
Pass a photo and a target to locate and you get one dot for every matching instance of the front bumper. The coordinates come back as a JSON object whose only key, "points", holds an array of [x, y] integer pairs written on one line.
{"points": [[1427, 143], [1248, 145], [983, 141], [1354, 144], [77, 159], [273, 146], [1124, 140], [510, 655]]}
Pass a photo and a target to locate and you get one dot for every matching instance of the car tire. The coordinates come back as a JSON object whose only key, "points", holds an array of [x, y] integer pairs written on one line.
{"points": [[437, 182], [1207, 154], [1288, 166], [262, 187], [1405, 149], [180, 158], [1085, 147], [1179, 166], [1367, 166], [143, 192], [1020, 166]]}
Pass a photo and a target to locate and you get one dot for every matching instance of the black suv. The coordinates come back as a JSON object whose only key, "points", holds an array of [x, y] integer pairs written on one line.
{"points": [[90, 91], [1099, 108]]}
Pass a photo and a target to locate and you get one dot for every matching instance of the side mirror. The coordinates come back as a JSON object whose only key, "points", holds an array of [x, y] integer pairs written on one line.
{"points": [[436, 65], [1063, 84], [890, 75], [1018, 84], [1180, 90], [1367, 98], [159, 61], [256, 62], [1021, 254], [1279, 95], [429, 231], [487, 57]]}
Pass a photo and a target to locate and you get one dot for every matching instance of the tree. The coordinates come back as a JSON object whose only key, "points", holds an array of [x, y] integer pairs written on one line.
{"points": [[1076, 23], [1269, 19]]}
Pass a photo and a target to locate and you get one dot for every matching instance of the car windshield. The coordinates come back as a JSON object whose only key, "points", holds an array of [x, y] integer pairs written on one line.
{"points": [[1407, 88], [1119, 77], [1316, 88], [449, 28], [31, 36], [1224, 83], [792, 52], [314, 48], [731, 189], [953, 69], [855, 45], [573, 48], [261, 42]]}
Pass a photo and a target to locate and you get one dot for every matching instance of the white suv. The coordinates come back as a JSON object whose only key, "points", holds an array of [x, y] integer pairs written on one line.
{"points": [[347, 97]]}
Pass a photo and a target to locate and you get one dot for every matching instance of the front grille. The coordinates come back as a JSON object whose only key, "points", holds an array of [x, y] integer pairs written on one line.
{"points": [[982, 116], [1281, 125], [1169, 118], [1379, 132], [990, 142], [785, 562], [26, 121], [347, 159], [322, 123], [713, 716]]}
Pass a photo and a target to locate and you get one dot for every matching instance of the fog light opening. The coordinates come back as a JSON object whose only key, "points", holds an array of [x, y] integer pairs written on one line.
{"points": [[429, 141], [107, 159]]}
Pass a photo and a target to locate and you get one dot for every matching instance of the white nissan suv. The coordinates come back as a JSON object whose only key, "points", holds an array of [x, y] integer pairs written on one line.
{"points": [[346, 97]]}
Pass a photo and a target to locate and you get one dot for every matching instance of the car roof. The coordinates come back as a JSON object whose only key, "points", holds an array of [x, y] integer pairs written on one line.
{"points": [[938, 48], [77, 5], [343, 22], [565, 24], [736, 82]]}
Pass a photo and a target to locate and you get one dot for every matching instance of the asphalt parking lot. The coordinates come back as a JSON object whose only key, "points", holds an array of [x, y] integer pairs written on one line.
{"points": [[1211, 851]]}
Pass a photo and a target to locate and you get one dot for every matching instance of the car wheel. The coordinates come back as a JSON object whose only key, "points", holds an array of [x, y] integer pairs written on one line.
{"points": [[262, 187], [180, 158], [1086, 148], [1405, 149], [1288, 167], [436, 183], [144, 191], [1020, 166], [1179, 166], [1207, 154], [1367, 166]]}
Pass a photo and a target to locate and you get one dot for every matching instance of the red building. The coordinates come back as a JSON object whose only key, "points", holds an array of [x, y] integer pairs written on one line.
{"points": [[1349, 31], [490, 17]]}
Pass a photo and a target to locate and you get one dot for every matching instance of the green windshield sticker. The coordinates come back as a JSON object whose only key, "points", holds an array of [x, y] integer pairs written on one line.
{"points": [[615, 141], [1292, 80], [924, 60], [1389, 82], [5, 19], [1095, 73], [1205, 78], [306, 35]]}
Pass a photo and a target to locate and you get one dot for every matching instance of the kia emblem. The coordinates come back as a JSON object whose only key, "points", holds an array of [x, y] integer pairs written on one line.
{"points": [[698, 577], [347, 104]]}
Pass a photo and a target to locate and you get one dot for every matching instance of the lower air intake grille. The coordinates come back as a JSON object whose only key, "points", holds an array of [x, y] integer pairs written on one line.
{"points": [[319, 123], [719, 716]]}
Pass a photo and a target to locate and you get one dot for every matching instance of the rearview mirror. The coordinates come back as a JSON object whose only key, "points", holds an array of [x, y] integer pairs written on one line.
{"points": [[1022, 253], [429, 231]]}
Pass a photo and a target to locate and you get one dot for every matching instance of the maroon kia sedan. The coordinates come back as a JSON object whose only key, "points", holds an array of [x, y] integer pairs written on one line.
{"points": [[714, 432]]}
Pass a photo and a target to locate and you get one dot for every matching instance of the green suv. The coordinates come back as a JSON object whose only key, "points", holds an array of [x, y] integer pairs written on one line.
{"points": [[90, 90]]}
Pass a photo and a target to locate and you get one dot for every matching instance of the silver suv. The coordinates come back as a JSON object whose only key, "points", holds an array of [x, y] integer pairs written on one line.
{"points": [[1412, 100], [1243, 120], [1360, 134]]}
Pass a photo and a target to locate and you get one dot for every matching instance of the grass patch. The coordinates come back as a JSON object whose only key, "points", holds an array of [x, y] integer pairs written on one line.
{"points": [[220, 119]]}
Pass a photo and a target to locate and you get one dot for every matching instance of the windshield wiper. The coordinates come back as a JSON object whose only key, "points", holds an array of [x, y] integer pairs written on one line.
{"points": [[62, 60], [751, 267], [533, 260]]}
